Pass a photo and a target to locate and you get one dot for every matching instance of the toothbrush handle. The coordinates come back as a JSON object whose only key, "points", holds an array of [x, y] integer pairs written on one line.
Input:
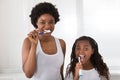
{"points": [[79, 59], [41, 33], [80, 73]]}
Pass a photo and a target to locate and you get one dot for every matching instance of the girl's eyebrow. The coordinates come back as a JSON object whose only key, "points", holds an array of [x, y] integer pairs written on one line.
{"points": [[42, 20], [86, 45]]}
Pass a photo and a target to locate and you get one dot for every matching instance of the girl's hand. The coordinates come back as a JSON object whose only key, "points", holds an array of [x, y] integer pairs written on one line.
{"points": [[33, 36], [77, 68]]}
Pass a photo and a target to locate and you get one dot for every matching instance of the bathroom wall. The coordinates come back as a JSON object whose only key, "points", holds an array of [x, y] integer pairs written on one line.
{"points": [[100, 20], [15, 25], [12, 32], [84, 17]]}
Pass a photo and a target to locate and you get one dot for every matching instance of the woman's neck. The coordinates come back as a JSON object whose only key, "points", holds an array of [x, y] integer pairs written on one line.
{"points": [[46, 39]]}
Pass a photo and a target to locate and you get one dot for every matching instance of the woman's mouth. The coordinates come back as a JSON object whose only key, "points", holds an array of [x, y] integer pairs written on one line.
{"points": [[44, 32]]}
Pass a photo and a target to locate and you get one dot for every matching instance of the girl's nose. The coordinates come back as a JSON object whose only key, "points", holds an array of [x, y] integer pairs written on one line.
{"points": [[81, 52]]}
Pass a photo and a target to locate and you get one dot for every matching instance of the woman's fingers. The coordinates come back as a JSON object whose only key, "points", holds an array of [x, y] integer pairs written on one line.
{"points": [[33, 36]]}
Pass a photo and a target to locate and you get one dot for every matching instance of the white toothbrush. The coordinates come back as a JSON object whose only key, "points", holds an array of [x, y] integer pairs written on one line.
{"points": [[80, 58]]}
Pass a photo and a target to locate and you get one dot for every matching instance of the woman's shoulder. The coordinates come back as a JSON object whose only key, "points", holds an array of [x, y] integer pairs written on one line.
{"points": [[63, 45], [62, 42], [26, 42]]}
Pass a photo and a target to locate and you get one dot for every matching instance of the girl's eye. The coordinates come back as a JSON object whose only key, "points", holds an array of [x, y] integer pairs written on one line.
{"points": [[77, 48], [85, 49]]}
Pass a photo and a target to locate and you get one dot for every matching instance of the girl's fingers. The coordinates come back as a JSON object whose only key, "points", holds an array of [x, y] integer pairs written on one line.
{"points": [[78, 65]]}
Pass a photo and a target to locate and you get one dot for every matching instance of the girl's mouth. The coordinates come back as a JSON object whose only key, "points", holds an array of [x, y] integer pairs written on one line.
{"points": [[81, 58]]}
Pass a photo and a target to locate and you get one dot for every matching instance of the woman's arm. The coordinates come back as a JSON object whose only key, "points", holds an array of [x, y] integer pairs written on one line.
{"points": [[29, 53], [29, 58]]}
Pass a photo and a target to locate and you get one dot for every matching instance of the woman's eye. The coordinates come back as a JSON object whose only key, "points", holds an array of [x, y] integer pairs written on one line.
{"points": [[52, 23], [42, 22]]}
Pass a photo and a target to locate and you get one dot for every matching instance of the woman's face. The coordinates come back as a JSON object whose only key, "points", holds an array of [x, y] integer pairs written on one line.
{"points": [[84, 48], [46, 22]]}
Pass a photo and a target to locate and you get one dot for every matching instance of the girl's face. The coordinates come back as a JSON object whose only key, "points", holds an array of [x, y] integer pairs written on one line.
{"points": [[46, 22], [84, 48]]}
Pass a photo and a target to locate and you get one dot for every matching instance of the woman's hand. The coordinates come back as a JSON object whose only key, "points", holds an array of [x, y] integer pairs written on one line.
{"points": [[33, 36]]}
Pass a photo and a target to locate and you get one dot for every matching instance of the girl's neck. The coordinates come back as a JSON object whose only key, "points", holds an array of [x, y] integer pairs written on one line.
{"points": [[88, 66]]}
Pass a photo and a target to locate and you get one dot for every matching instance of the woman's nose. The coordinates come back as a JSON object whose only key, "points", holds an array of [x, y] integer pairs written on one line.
{"points": [[47, 25]]}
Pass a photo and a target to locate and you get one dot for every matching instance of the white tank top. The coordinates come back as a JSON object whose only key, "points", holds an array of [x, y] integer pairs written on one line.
{"points": [[48, 66], [91, 74]]}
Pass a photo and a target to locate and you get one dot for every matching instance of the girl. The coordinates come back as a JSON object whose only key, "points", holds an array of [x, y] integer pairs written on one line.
{"points": [[91, 64]]}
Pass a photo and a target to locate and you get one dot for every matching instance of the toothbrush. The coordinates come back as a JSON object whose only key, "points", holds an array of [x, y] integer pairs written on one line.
{"points": [[80, 58], [44, 32]]}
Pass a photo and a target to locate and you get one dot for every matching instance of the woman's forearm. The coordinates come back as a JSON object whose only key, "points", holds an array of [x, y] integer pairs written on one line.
{"points": [[29, 66]]}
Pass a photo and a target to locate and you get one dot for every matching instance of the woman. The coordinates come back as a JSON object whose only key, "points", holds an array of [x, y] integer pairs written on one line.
{"points": [[42, 53]]}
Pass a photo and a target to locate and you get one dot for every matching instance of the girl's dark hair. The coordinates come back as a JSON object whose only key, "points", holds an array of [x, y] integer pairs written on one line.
{"points": [[43, 8], [96, 59]]}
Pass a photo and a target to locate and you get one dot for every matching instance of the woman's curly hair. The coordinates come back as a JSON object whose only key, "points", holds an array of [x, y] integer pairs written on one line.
{"points": [[96, 59], [43, 8]]}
